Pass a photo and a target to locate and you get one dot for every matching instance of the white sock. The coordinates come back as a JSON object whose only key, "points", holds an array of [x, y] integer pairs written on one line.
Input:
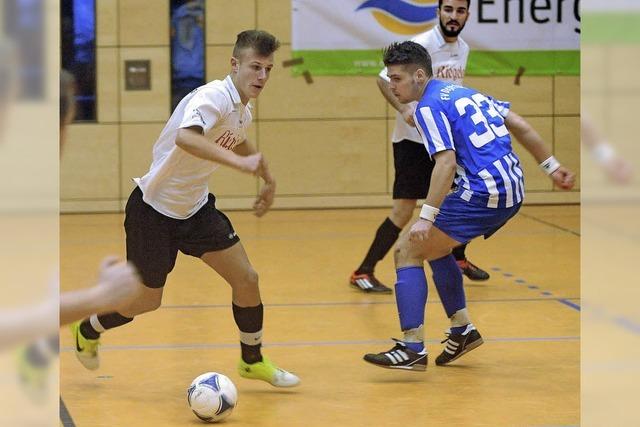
{"points": [[460, 318]]}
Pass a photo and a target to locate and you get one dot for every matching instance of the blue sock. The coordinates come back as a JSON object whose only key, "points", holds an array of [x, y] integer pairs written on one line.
{"points": [[411, 299], [448, 280]]}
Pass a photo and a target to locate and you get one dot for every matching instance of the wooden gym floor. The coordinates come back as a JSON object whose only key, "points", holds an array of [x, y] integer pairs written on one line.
{"points": [[526, 374]]}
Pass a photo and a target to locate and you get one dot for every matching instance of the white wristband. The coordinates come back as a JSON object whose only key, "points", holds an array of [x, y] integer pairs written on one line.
{"points": [[603, 152], [429, 213], [550, 165]]}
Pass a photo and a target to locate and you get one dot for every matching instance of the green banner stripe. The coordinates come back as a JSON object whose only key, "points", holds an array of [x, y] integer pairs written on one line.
{"points": [[536, 63], [481, 63], [339, 62], [608, 27]]}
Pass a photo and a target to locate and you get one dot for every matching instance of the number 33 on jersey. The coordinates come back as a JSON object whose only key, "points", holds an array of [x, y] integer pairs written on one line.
{"points": [[452, 117]]}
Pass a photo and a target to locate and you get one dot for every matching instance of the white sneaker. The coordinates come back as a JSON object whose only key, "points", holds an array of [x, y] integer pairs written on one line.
{"points": [[267, 371]]}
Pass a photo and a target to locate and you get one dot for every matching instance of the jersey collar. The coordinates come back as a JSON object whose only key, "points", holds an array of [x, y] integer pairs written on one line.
{"points": [[232, 91]]}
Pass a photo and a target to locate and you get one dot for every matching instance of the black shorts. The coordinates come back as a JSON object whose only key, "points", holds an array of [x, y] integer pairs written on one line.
{"points": [[413, 170], [153, 239]]}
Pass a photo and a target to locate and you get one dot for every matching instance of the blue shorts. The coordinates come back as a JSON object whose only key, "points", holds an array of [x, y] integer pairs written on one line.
{"points": [[463, 221]]}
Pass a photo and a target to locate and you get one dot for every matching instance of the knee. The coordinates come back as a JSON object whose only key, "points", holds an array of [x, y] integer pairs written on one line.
{"points": [[148, 305], [400, 253], [251, 278], [401, 215], [407, 253], [154, 305]]}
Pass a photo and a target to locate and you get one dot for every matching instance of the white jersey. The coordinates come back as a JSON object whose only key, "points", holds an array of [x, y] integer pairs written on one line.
{"points": [[448, 60], [177, 182]]}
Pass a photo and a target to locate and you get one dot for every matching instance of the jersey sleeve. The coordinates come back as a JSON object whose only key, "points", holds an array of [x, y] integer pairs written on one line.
{"points": [[435, 129], [205, 109], [383, 74], [502, 107]]}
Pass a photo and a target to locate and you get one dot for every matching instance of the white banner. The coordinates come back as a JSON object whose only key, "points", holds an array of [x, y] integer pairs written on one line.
{"points": [[492, 25], [502, 34]]}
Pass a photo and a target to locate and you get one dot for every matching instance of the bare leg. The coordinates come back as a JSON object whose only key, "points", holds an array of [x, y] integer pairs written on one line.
{"points": [[402, 211], [234, 267]]}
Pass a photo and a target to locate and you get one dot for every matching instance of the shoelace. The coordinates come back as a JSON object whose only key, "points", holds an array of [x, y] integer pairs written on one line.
{"points": [[399, 344]]}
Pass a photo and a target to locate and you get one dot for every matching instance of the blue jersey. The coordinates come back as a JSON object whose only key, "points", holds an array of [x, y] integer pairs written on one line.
{"points": [[452, 117]]}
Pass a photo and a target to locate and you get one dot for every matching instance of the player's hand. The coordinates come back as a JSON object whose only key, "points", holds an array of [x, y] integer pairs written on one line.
{"points": [[118, 283], [407, 113], [420, 230], [265, 198], [618, 169], [251, 164], [563, 178]]}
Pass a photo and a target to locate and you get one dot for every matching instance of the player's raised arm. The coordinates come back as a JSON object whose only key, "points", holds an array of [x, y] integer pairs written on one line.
{"points": [[193, 142], [534, 144]]}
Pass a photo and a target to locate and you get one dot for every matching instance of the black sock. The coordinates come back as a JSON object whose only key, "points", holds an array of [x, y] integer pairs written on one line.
{"points": [[249, 321], [458, 252], [108, 321], [386, 236]]}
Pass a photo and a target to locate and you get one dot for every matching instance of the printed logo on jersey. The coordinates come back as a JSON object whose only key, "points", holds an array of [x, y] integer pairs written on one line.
{"points": [[227, 140], [401, 16], [447, 72], [445, 92], [197, 115]]}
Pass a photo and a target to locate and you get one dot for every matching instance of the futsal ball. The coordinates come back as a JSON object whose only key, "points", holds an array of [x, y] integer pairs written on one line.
{"points": [[212, 397]]}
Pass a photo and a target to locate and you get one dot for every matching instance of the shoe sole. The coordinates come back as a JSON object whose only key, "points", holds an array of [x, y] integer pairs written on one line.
{"points": [[419, 368], [474, 279], [371, 291], [90, 366], [473, 345], [272, 384]]}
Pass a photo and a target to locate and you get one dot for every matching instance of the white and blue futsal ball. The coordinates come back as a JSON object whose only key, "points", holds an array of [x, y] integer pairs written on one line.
{"points": [[212, 397]]}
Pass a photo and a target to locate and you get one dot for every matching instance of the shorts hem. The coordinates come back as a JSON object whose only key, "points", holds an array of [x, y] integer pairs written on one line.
{"points": [[218, 248]]}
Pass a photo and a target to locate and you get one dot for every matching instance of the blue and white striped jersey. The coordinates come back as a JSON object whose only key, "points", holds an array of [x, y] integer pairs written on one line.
{"points": [[452, 117]]}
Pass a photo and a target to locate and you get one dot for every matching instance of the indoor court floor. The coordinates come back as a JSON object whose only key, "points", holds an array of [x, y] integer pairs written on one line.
{"points": [[526, 374]]}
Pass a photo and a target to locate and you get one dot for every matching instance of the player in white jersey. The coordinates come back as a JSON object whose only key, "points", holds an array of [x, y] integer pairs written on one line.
{"points": [[171, 209], [465, 133]]}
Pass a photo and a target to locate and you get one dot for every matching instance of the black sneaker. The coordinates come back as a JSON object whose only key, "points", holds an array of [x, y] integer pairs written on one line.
{"points": [[472, 271], [368, 283], [455, 345], [399, 357]]}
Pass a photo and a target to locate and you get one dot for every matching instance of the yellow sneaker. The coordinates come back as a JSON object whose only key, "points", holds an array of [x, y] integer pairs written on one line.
{"points": [[86, 349], [267, 371], [35, 372]]}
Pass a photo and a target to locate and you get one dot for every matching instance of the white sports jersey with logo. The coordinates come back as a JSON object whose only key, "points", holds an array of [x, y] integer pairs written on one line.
{"points": [[177, 182], [448, 62]]}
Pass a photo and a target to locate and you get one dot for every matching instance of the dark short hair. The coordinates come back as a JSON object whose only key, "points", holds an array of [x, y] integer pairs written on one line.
{"points": [[408, 53], [263, 43], [440, 4]]}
